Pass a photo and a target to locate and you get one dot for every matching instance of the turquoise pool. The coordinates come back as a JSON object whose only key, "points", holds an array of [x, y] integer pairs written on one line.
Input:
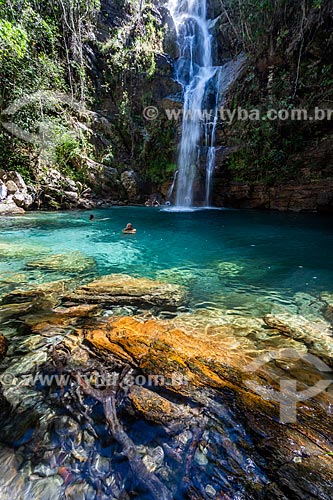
{"points": [[242, 261]]}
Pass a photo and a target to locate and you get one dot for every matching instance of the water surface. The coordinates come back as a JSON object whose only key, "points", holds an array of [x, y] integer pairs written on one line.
{"points": [[235, 260], [237, 266]]}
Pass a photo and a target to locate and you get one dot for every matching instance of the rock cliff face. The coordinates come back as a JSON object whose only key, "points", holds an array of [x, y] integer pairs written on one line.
{"points": [[281, 164], [311, 197]]}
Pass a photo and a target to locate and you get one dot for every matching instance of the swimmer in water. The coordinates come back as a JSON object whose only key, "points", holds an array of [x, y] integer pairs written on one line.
{"points": [[129, 229], [92, 218]]}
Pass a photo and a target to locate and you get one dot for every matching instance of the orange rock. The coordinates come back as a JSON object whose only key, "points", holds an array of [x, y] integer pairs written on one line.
{"points": [[155, 407], [158, 348]]}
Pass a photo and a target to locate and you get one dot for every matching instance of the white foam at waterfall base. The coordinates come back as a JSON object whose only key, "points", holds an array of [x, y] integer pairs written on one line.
{"points": [[175, 208]]}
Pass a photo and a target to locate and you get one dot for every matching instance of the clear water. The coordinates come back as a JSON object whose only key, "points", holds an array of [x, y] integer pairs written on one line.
{"points": [[244, 262], [235, 263]]}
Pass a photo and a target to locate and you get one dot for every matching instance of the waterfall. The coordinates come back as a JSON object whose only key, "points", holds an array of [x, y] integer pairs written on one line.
{"points": [[200, 82], [210, 132], [172, 187]]}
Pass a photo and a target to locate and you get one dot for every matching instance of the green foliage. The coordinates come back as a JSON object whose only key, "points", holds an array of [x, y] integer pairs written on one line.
{"points": [[70, 151], [158, 150], [159, 170], [15, 155], [134, 45], [28, 56], [13, 42], [261, 25], [35, 38]]}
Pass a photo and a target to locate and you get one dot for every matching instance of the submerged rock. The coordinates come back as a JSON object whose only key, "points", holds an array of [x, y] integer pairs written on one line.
{"points": [[13, 278], [203, 392], [327, 308], [316, 336], [154, 407], [71, 263], [32, 300], [158, 348], [49, 488], [10, 472], [229, 269], [186, 398], [121, 289], [14, 311], [46, 293], [177, 275], [57, 321], [20, 251], [4, 405], [3, 347]]}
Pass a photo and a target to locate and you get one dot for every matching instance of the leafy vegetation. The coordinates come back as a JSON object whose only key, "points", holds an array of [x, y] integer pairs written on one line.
{"points": [[41, 54], [289, 50], [133, 46], [52, 47]]}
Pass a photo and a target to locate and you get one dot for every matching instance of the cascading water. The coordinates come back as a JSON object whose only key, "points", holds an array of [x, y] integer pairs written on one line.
{"points": [[210, 132], [200, 81]]}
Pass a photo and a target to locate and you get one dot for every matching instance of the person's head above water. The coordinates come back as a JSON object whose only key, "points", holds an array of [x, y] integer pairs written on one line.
{"points": [[129, 229], [92, 217]]}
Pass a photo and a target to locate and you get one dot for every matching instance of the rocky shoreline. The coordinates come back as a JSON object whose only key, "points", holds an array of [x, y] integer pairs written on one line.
{"points": [[61, 193], [54, 191], [154, 399]]}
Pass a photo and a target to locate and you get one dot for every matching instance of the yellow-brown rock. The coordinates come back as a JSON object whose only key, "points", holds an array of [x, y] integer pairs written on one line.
{"points": [[49, 292], [154, 407], [121, 289], [61, 317], [40, 298], [3, 347], [208, 365], [158, 348]]}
